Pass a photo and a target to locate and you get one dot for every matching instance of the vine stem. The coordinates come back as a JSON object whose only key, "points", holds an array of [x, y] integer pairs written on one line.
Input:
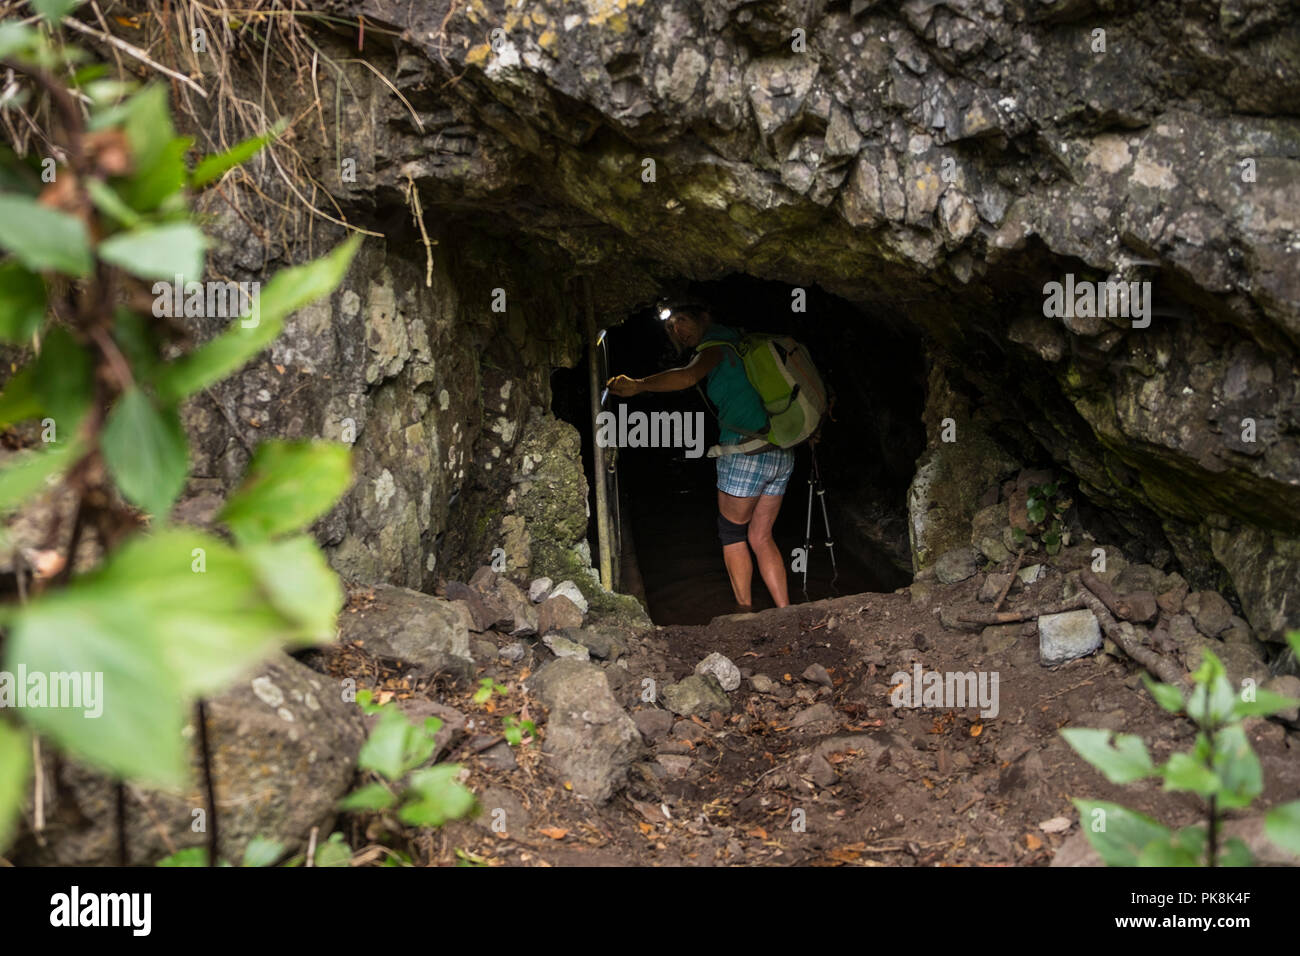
{"points": [[209, 787]]}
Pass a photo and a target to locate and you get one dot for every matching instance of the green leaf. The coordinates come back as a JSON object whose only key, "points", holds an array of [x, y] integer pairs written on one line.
{"points": [[1166, 695], [28, 472], [440, 797], [19, 401], [1127, 761], [290, 290], [1117, 833], [190, 856], [146, 452], [288, 486], [171, 616], [22, 303], [334, 852], [1184, 772], [15, 766], [300, 584], [1293, 638], [384, 751], [262, 851], [147, 189], [108, 202], [148, 124], [64, 381], [1212, 699], [1265, 702], [54, 10], [15, 37], [1035, 510], [158, 252], [43, 238], [1282, 826], [213, 167], [373, 796], [1237, 766], [137, 734]]}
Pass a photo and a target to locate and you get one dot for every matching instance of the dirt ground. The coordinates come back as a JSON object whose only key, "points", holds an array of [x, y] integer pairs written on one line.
{"points": [[856, 782]]}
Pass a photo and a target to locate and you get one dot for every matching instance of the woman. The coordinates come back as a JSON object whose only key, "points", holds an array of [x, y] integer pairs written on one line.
{"points": [[750, 487]]}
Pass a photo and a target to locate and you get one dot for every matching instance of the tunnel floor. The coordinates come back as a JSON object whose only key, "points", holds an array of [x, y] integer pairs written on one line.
{"points": [[672, 514]]}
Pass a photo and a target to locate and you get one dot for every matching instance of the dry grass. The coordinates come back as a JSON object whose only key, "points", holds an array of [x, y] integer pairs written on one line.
{"points": [[272, 49]]}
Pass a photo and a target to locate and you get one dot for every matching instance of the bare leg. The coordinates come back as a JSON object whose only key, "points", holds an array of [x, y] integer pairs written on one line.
{"points": [[770, 565], [740, 568]]}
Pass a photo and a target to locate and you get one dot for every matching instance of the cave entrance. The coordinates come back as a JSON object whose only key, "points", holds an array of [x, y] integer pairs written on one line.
{"points": [[666, 502]]}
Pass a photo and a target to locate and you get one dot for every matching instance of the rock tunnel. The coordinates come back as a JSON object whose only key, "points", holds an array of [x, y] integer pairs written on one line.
{"points": [[1029, 245], [927, 173]]}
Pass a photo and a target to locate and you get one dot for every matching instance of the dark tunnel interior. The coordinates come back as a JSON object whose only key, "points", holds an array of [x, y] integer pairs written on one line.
{"points": [[665, 502]]}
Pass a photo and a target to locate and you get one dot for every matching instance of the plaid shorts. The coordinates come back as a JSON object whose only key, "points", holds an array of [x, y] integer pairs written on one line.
{"points": [[745, 476]]}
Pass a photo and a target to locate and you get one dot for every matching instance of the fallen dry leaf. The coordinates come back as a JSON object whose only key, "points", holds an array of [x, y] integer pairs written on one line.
{"points": [[1032, 841], [555, 833], [976, 730], [1055, 825]]}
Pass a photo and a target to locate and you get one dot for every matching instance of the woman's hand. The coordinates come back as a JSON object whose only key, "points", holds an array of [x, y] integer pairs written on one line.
{"points": [[623, 386]]}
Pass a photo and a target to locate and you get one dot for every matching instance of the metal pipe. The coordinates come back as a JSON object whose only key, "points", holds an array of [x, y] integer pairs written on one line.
{"points": [[603, 536]]}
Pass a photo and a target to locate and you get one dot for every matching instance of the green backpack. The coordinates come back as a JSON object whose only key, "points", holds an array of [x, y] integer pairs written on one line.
{"points": [[789, 385]]}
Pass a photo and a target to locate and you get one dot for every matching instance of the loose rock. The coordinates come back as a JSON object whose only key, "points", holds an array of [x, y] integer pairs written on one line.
{"points": [[722, 668], [1063, 637]]}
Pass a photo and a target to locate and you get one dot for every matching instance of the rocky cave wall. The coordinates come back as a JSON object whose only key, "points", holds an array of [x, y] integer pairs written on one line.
{"points": [[935, 162]]}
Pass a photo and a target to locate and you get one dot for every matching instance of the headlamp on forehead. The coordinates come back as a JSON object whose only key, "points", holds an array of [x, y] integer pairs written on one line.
{"points": [[664, 311], [668, 308]]}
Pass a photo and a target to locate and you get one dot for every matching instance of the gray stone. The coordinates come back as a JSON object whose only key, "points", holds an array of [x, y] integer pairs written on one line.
{"points": [[818, 675], [955, 566], [1210, 611], [514, 652], [601, 643], [563, 647], [986, 532], [539, 590], [816, 714], [1063, 637], [556, 614], [762, 683], [653, 723], [699, 694], [482, 651], [992, 587], [590, 739], [1288, 685], [1030, 574], [722, 668], [570, 590], [429, 632], [284, 750], [503, 810]]}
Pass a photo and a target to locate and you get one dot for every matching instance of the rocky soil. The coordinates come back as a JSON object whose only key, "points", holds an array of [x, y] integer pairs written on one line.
{"points": [[770, 738]]}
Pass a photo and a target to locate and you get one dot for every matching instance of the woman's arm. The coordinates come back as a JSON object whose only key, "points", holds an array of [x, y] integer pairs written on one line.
{"points": [[673, 380]]}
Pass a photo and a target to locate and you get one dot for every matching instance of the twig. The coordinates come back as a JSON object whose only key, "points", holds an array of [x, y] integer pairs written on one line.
{"points": [[311, 847], [1011, 617], [209, 786], [134, 51], [413, 196], [1125, 636], [389, 83], [1002, 595]]}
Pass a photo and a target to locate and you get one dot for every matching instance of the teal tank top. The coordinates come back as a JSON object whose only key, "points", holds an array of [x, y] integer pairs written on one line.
{"points": [[729, 389]]}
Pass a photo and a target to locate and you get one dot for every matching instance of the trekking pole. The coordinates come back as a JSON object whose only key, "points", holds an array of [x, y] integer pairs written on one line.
{"points": [[807, 528], [821, 495]]}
